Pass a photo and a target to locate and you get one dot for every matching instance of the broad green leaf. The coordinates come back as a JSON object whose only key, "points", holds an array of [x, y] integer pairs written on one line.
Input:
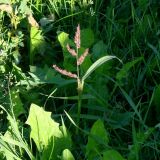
{"points": [[112, 155], [47, 75], [63, 39], [69, 62], [86, 64], [43, 128], [97, 140], [97, 64], [101, 98], [87, 38], [67, 155], [16, 103], [99, 50], [37, 43], [44, 75], [49, 137]]}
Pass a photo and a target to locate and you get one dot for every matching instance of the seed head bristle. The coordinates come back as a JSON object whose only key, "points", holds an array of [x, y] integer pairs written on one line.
{"points": [[82, 57], [71, 51], [77, 40], [64, 72]]}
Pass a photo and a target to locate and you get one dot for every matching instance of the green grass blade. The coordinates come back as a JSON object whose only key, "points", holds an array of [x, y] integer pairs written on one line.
{"points": [[97, 64], [132, 104]]}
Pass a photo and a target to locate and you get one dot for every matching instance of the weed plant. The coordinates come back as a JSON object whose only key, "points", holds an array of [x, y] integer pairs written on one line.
{"points": [[114, 114]]}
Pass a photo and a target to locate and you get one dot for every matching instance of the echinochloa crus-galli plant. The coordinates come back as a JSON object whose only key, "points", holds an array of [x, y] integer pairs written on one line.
{"points": [[79, 60]]}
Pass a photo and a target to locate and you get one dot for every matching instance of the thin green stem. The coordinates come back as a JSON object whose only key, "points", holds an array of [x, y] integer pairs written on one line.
{"points": [[79, 109], [80, 89]]}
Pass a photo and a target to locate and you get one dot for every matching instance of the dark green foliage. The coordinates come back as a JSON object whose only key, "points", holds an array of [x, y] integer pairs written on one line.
{"points": [[120, 112]]}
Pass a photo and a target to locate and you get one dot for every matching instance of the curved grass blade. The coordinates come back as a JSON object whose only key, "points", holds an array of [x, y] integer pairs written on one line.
{"points": [[97, 64]]}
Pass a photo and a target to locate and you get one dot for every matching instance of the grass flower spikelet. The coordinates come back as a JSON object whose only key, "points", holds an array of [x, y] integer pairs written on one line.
{"points": [[77, 39], [82, 57], [64, 72], [71, 51]]}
